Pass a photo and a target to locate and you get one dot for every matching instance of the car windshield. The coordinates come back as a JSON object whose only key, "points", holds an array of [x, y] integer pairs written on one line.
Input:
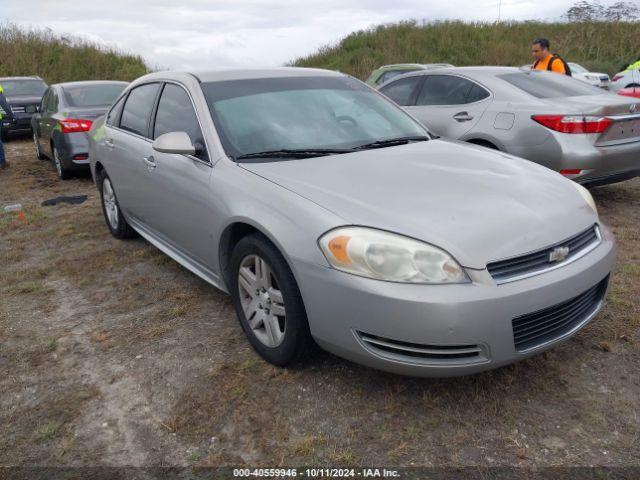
{"points": [[550, 85], [92, 95], [575, 68], [35, 88], [305, 114]]}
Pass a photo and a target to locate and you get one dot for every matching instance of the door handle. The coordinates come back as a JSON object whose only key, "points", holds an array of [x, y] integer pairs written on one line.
{"points": [[462, 117], [151, 164], [109, 143]]}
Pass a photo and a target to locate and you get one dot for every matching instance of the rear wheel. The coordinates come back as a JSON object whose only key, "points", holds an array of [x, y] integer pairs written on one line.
{"points": [[118, 225], [268, 302], [63, 172], [39, 153]]}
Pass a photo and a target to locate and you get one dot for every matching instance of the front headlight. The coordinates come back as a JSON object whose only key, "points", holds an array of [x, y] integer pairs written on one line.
{"points": [[587, 196], [387, 256]]}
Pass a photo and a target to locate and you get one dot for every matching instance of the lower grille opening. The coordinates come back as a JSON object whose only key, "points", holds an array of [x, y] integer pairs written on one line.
{"points": [[553, 322], [426, 353]]}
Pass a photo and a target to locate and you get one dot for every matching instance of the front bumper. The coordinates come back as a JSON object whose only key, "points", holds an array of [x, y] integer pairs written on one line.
{"points": [[345, 312], [21, 125]]}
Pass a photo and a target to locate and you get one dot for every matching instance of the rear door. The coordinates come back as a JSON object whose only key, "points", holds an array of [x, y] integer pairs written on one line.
{"points": [[47, 122], [128, 144], [177, 186], [449, 105], [38, 119]]}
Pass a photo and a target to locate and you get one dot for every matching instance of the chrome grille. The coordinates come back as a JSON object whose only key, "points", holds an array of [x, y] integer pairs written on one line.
{"points": [[422, 353], [537, 262], [18, 108], [537, 328]]}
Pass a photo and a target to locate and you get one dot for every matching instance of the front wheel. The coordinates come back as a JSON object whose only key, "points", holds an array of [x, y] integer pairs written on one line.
{"points": [[118, 225], [268, 302]]}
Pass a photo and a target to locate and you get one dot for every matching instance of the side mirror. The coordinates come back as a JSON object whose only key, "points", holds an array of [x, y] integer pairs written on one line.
{"points": [[174, 142]]}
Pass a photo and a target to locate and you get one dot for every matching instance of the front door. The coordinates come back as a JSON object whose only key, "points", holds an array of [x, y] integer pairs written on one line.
{"points": [[178, 203]]}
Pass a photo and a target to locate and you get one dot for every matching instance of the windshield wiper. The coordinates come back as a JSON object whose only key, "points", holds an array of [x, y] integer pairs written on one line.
{"points": [[294, 153], [391, 142]]}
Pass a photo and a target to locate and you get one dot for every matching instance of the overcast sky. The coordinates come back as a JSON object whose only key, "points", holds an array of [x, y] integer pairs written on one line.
{"points": [[200, 34]]}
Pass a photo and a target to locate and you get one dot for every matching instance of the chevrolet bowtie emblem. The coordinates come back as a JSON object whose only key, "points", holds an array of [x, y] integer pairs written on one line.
{"points": [[558, 254]]}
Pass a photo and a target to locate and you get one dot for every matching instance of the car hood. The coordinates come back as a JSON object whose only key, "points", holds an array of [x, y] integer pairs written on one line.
{"points": [[478, 204]]}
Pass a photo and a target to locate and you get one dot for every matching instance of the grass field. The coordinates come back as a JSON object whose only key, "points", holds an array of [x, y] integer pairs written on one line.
{"points": [[600, 46], [60, 58], [113, 354]]}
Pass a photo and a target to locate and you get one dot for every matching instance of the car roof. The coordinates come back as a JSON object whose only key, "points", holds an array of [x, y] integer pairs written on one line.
{"points": [[224, 74], [400, 66], [469, 71], [3, 79], [89, 82]]}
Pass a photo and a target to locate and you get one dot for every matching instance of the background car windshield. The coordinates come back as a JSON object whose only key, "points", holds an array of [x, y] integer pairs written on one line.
{"points": [[93, 95], [268, 114], [23, 87], [550, 85]]}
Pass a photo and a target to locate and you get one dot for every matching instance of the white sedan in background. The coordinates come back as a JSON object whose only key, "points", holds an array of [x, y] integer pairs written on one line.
{"points": [[596, 79], [578, 72]]}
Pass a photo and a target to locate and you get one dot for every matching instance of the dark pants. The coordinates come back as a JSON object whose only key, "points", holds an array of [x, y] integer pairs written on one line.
{"points": [[2, 160]]}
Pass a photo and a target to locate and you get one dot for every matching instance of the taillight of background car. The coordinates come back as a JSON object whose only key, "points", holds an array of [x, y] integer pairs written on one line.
{"points": [[574, 123], [633, 92], [73, 125]]}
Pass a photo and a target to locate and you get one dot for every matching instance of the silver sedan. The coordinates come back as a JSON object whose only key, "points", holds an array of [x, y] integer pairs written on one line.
{"points": [[331, 216], [580, 131]]}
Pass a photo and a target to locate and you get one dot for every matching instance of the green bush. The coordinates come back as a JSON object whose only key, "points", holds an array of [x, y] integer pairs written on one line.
{"points": [[599, 46], [59, 58]]}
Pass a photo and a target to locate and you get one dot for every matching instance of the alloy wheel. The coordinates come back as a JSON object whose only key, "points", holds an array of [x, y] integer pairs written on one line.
{"points": [[56, 161], [110, 204], [261, 300]]}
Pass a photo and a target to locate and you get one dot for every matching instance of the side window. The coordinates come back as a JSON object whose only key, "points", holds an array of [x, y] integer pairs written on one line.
{"points": [[176, 113], [401, 91], [386, 76], [137, 109], [45, 100], [113, 114], [444, 90], [52, 103], [477, 93]]}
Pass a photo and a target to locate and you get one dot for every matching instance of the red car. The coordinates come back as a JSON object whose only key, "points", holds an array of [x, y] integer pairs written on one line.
{"points": [[630, 92]]}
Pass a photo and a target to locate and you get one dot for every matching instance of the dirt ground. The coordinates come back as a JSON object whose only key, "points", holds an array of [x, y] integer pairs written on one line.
{"points": [[113, 354]]}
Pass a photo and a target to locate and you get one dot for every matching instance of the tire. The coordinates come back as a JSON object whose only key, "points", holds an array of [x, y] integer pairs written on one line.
{"points": [[4, 135], [63, 172], [117, 224], [278, 293], [39, 153]]}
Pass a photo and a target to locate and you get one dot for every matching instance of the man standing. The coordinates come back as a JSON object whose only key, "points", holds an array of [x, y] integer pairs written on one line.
{"points": [[545, 60], [7, 108]]}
